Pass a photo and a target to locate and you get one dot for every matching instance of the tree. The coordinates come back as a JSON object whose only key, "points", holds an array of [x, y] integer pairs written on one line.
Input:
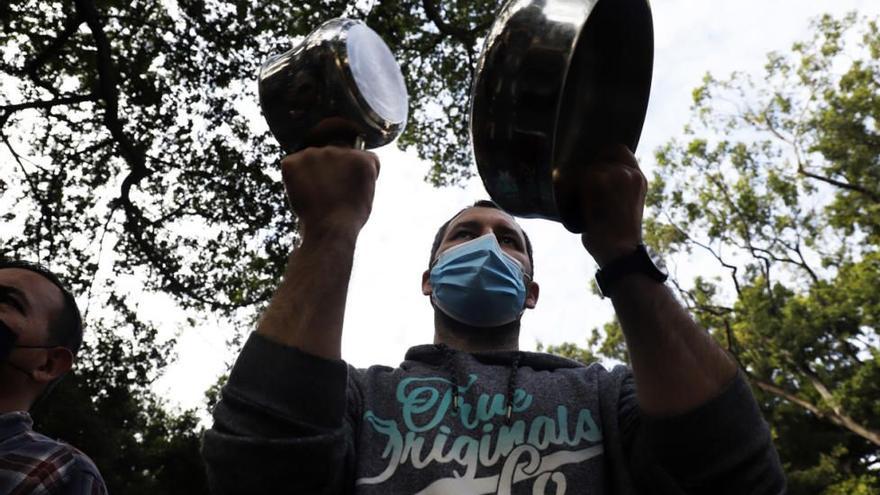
{"points": [[132, 146], [132, 121], [776, 183]]}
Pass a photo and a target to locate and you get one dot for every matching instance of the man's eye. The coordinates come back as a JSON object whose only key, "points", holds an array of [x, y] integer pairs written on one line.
{"points": [[6, 298], [462, 233], [508, 239]]}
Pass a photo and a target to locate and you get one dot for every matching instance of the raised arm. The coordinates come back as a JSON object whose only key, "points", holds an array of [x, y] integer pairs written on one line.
{"points": [[701, 430], [331, 191], [677, 365], [281, 420]]}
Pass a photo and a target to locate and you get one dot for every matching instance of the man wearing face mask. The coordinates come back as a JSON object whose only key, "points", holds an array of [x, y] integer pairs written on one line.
{"points": [[40, 333], [471, 413]]}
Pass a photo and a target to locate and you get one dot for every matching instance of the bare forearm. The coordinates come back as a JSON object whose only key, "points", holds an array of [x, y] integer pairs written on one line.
{"points": [[307, 310], [677, 365]]}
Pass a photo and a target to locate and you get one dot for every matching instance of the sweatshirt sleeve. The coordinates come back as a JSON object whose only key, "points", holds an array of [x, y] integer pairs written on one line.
{"points": [[722, 447], [280, 425]]}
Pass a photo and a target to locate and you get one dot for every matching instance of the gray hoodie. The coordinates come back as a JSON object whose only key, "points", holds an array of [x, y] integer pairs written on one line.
{"points": [[447, 422]]}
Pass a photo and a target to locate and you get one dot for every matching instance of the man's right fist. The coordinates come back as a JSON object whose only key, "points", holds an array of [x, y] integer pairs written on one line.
{"points": [[330, 189]]}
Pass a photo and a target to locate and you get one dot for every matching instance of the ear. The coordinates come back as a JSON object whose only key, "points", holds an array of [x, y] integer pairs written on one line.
{"points": [[426, 283], [532, 291], [58, 361]]}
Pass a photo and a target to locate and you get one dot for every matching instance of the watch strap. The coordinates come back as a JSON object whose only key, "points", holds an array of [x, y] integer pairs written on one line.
{"points": [[638, 261]]}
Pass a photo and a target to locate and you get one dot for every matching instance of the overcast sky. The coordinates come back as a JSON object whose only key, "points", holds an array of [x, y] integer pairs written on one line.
{"points": [[386, 312]]}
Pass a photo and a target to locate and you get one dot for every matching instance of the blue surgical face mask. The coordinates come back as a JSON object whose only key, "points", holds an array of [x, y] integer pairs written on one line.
{"points": [[478, 284], [8, 338], [8, 343]]}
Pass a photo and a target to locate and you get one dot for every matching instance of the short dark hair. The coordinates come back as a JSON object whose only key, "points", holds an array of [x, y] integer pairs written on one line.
{"points": [[483, 203], [67, 328]]}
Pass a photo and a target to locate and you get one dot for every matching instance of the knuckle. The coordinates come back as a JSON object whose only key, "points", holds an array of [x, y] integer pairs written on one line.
{"points": [[292, 164], [366, 160], [632, 176], [288, 167], [289, 160], [307, 154]]}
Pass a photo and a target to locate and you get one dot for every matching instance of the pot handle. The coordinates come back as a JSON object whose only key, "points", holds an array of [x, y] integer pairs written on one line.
{"points": [[336, 132]]}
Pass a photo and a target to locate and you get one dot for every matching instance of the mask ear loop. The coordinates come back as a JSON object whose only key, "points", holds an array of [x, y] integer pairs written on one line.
{"points": [[527, 279], [27, 373], [30, 373]]}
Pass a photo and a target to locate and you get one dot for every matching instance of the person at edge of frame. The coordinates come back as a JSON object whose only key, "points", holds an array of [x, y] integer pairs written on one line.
{"points": [[41, 331], [470, 413]]}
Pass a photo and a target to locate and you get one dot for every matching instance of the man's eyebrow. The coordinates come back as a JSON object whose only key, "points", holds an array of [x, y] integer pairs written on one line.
{"points": [[470, 224], [509, 230], [473, 224], [18, 293]]}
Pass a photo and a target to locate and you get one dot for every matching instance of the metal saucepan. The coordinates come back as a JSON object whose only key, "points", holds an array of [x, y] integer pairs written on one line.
{"points": [[556, 81], [341, 84]]}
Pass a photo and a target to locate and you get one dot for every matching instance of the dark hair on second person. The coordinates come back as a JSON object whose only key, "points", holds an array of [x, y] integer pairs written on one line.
{"points": [[66, 330], [483, 203]]}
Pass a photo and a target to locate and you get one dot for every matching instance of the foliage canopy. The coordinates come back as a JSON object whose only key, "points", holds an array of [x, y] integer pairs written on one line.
{"points": [[138, 123], [133, 149], [775, 182]]}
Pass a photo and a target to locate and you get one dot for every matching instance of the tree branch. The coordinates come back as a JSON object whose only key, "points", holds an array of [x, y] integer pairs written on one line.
{"points": [[71, 24], [8, 110], [135, 156], [802, 170], [107, 89], [779, 259], [466, 36], [840, 417], [98, 263], [27, 177], [794, 399], [840, 420], [843, 185], [31, 68], [732, 347], [692, 304], [747, 230], [733, 268], [803, 263]]}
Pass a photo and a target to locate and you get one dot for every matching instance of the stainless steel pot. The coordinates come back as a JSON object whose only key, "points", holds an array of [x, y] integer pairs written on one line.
{"points": [[341, 83], [556, 81]]}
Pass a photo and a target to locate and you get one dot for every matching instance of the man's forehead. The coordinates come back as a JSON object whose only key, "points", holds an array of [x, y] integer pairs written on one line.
{"points": [[484, 214], [32, 284]]}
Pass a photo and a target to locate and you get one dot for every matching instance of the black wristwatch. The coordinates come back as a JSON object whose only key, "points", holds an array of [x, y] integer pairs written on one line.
{"points": [[639, 261]]}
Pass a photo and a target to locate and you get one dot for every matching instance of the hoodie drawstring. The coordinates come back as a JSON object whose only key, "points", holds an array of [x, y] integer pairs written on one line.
{"points": [[449, 364], [450, 367], [511, 385]]}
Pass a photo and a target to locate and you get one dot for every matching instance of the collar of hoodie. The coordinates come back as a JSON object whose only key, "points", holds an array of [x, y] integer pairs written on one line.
{"points": [[452, 368]]}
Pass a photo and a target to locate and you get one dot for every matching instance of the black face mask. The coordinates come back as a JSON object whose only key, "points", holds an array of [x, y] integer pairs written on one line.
{"points": [[8, 338]]}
